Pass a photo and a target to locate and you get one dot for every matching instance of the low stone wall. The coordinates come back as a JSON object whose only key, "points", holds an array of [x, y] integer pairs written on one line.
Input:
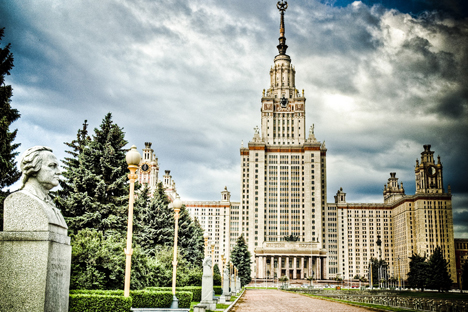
{"points": [[389, 298], [420, 304]]}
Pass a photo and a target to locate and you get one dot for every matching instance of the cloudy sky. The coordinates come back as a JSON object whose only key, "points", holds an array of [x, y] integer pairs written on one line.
{"points": [[381, 79]]}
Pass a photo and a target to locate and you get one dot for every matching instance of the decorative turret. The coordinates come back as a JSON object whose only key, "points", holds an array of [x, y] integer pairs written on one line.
{"points": [[148, 170], [340, 197], [392, 191]]}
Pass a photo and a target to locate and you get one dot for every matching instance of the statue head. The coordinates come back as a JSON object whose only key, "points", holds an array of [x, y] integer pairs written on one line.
{"points": [[39, 168]]}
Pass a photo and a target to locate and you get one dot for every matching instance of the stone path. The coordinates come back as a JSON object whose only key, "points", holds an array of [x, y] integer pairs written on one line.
{"points": [[278, 301]]}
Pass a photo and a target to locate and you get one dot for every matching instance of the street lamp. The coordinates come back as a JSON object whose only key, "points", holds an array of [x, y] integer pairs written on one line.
{"points": [[133, 160], [221, 270], [205, 237], [212, 257], [176, 205]]}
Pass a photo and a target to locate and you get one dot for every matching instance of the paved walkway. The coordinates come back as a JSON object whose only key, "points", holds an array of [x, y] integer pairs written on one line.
{"points": [[278, 301]]}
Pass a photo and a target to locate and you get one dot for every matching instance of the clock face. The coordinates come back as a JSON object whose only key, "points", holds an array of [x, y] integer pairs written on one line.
{"points": [[284, 102], [431, 171], [144, 167]]}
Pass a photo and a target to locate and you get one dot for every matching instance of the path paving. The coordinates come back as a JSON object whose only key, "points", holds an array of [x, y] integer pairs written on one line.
{"points": [[271, 300]]}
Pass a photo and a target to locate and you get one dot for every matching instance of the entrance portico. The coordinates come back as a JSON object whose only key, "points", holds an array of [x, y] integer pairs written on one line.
{"points": [[296, 260]]}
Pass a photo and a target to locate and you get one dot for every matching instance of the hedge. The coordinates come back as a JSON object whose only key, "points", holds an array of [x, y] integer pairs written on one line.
{"points": [[116, 292], [102, 300], [195, 290], [159, 299], [99, 303], [218, 290]]}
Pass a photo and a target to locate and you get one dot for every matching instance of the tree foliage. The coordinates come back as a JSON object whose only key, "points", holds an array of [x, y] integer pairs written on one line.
{"points": [[9, 172], [439, 277], [240, 257], [430, 273], [94, 192], [98, 262], [153, 220], [419, 272]]}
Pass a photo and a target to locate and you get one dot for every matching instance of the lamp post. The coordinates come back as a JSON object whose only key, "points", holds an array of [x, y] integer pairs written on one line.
{"points": [[205, 237], [212, 257], [176, 205], [230, 274], [221, 270], [133, 160]]}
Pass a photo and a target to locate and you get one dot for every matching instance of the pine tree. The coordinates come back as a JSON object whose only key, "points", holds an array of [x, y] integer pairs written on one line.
{"points": [[439, 277], [9, 173], [240, 257], [419, 272], [94, 192]]}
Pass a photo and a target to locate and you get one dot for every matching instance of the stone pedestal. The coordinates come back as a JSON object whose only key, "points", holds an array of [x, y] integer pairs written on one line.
{"points": [[207, 285], [226, 296], [35, 256]]}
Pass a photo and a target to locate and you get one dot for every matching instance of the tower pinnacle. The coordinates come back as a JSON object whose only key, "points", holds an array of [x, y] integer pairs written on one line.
{"points": [[282, 47]]}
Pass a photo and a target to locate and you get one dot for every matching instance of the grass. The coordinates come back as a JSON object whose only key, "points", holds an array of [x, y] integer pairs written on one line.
{"points": [[222, 306]]}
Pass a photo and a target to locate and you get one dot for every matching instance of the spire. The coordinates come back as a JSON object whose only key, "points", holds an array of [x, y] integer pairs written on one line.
{"points": [[282, 47]]}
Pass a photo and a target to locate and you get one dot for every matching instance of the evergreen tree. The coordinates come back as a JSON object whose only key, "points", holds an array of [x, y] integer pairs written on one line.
{"points": [[216, 275], [154, 220], [240, 257], [419, 272], [439, 277], [9, 173], [464, 276], [94, 192], [190, 238]]}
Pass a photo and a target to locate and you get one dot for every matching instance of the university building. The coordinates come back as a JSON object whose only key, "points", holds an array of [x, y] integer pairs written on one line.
{"points": [[283, 213]]}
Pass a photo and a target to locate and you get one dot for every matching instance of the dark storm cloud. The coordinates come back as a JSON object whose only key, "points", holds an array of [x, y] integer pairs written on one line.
{"points": [[188, 76]]}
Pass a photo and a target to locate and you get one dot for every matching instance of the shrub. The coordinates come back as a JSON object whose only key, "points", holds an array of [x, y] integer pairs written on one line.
{"points": [[159, 299], [218, 290], [195, 290], [99, 303]]}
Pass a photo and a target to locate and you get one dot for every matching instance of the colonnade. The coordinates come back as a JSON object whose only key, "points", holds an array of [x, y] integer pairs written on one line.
{"points": [[294, 267]]}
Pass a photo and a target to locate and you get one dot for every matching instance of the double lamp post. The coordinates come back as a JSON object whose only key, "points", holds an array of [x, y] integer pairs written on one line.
{"points": [[133, 158]]}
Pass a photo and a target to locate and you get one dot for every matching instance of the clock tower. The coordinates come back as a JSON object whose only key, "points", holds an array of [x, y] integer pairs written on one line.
{"points": [[428, 173], [283, 181]]}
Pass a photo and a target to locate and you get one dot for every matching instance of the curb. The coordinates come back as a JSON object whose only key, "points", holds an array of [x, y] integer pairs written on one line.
{"points": [[234, 303]]}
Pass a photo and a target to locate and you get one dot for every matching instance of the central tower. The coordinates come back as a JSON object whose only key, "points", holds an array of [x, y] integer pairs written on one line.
{"points": [[283, 180]]}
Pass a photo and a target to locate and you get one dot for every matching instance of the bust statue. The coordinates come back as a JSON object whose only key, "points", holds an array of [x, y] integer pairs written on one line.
{"points": [[31, 208], [207, 263]]}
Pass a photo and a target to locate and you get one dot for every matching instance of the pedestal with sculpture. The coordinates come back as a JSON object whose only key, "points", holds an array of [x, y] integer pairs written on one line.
{"points": [[35, 251], [207, 285]]}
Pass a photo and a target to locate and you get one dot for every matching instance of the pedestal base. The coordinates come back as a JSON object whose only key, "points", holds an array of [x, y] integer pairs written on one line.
{"points": [[34, 271]]}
